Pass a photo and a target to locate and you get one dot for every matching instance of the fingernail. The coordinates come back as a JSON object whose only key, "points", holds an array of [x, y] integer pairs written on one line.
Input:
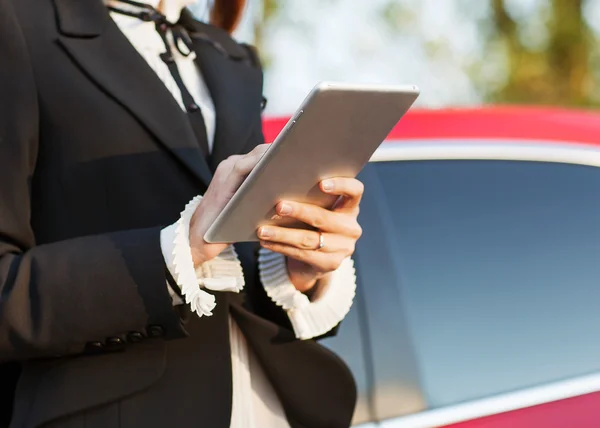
{"points": [[328, 185], [285, 209], [265, 232]]}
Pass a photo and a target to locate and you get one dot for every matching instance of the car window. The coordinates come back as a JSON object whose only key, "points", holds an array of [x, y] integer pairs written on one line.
{"points": [[481, 277], [350, 343]]}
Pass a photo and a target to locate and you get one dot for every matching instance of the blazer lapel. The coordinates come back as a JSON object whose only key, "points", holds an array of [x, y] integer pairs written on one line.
{"points": [[96, 44], [234, 84]]}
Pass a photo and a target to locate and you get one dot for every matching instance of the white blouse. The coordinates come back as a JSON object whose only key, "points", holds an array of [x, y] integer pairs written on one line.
{"points": [[255, 403]]}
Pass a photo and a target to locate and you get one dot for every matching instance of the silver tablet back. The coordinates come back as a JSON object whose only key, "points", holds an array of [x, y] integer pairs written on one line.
{"points": [[333, 134]]}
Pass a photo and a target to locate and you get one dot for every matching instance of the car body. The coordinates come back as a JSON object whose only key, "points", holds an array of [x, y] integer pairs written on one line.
{"points": [[478, 272]]}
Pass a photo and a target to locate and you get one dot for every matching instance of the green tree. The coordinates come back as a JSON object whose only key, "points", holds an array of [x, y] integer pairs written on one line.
{"points": [[558, 70]]}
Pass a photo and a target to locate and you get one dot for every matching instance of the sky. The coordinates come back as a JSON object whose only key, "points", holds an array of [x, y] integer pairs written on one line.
{"points": [[349, 41]]}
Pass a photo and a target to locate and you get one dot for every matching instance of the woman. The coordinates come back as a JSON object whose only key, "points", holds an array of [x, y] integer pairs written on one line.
{"points": [[114, 312]]}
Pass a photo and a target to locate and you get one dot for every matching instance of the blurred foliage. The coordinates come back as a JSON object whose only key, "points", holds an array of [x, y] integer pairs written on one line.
{"points": [[547, 54], [560, 69], [269, 9], [397, 16], [542, 53]]}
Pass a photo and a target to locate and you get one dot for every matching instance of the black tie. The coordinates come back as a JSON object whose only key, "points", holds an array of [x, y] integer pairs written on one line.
{"points": [[183, 44]]}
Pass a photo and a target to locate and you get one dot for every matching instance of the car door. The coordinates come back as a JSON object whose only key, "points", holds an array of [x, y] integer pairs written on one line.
{"points": [[479, 277]]}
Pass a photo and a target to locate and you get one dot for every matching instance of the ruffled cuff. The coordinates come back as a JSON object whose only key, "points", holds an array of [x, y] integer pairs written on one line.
{"points": [[223, 273], [309, 319]]}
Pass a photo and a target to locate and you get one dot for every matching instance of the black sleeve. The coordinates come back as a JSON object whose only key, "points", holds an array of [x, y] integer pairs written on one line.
{"points": [[254, 59], [56, 298]]}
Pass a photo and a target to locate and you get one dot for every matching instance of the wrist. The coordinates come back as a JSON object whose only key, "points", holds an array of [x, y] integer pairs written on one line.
{"points": [[198, 256], [306, 286], [302, 276]]}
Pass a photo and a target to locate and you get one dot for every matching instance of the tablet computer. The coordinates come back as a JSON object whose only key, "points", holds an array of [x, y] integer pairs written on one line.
{"points": [[333, 134]]}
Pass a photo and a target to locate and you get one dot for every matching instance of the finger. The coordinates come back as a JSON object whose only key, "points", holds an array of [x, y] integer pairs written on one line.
{"points": [[350, 189], [320, 218], [307, 239], [244, 164], [233, 170], [320, 261]]}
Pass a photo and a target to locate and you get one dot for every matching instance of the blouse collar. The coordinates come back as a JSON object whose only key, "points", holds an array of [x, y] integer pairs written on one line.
{"points": [[170, 8]]}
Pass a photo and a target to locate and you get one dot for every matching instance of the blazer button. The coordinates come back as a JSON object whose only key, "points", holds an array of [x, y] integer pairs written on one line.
{"points": [[135, 337], [193, 107], [94, 347], [114, 343], [156, 331]]}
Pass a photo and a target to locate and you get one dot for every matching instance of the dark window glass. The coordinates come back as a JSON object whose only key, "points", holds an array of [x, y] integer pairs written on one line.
{"points": [[496, 269]]}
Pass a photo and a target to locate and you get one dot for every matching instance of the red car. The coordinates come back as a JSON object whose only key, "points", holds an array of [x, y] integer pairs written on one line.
{"points": [[479, 272]]}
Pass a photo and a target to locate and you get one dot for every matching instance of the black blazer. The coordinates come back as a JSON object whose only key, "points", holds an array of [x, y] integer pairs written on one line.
{"points": [[96, 157]]}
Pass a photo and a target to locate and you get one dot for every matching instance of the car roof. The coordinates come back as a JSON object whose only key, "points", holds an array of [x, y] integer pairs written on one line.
{"points": [[521, 124]]}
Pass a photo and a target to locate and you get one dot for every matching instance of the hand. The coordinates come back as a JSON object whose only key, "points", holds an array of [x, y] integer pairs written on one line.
{"points": [[227, 179], [339, 228]]}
